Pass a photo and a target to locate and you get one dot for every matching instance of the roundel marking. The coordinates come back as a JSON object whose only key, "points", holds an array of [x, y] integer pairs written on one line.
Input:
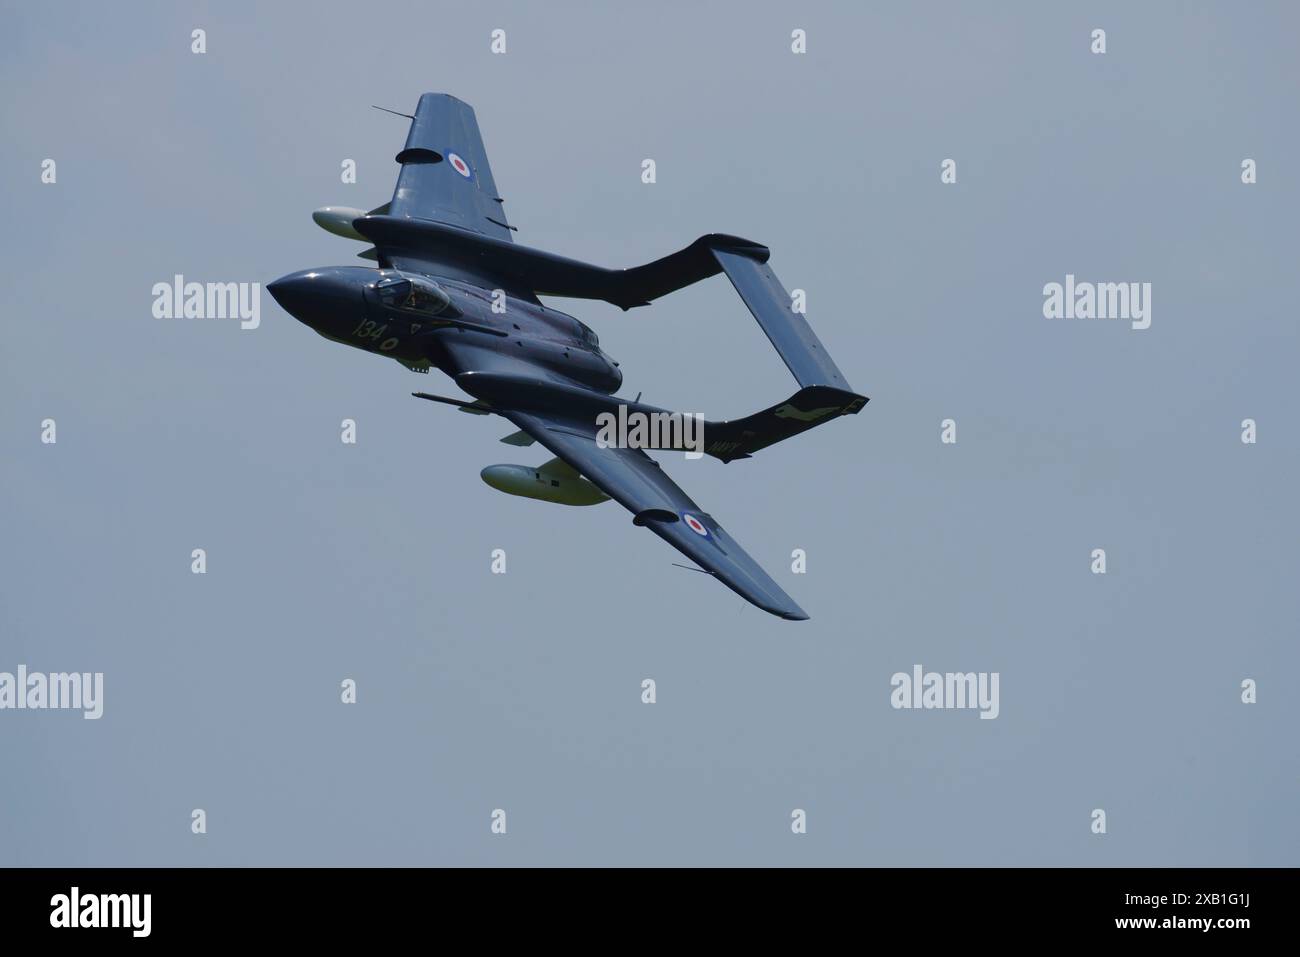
{"points": [[695, 525], [459, 165]]}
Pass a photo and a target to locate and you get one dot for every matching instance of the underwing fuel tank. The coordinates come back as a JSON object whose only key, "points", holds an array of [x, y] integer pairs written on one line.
{"points": [[338, 220], [553, 482]]}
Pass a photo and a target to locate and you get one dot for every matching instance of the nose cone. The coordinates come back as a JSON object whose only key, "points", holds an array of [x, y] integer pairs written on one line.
{"points": [[301, 293]]}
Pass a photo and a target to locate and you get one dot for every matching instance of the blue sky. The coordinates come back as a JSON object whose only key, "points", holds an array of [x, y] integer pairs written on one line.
{"points": [[523, 691]]}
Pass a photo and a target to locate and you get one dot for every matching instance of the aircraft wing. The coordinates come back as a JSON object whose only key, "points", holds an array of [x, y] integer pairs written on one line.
{"points": [[445, 174], [636, 481]]}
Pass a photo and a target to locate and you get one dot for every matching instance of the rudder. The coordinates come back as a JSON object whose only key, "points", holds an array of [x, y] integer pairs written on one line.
{"points": [[806, 409]]}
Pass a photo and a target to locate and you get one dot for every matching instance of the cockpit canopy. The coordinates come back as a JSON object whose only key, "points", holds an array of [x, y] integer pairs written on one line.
{"points": [[413, 293], [585, 335]]}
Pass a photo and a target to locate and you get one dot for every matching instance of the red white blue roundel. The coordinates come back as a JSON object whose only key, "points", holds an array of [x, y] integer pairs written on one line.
{"points": [[694, 524], [459, 165]]}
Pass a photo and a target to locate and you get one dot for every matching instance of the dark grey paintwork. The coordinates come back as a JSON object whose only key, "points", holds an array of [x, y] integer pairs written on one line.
{"points": [[454, 292]]}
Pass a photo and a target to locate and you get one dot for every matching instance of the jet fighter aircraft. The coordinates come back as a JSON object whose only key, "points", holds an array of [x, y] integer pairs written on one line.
{"points": [[453, 291]]}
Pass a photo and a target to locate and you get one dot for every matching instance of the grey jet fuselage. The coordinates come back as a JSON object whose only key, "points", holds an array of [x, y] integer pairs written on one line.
{"points": [[455, 292], [474, 329]]}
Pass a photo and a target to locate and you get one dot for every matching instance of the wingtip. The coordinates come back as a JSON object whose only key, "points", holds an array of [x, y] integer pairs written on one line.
{"points": [[781, 609]]}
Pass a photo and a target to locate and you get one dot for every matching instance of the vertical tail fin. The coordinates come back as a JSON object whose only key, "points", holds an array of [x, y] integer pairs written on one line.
{"points": [[807, 408]]}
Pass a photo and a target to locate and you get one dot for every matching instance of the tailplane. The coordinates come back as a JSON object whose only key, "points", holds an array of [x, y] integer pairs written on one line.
{"points": [[824, 392]]}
